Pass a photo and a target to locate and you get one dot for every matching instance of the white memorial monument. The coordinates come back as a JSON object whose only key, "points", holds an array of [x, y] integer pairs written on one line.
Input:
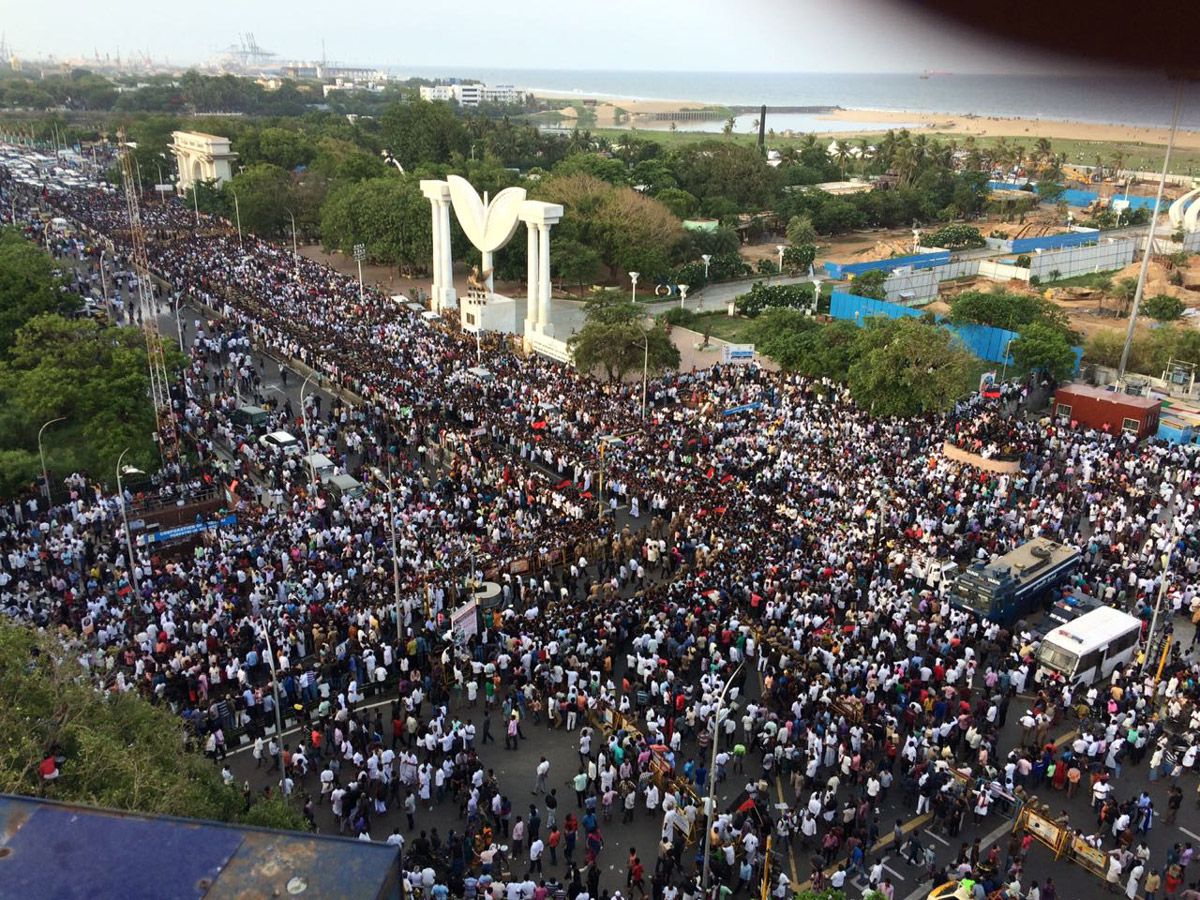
{"points": [[489, 227]]}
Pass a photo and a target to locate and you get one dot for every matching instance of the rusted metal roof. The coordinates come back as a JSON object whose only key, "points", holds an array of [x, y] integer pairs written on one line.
{"points": [[60, 851]]}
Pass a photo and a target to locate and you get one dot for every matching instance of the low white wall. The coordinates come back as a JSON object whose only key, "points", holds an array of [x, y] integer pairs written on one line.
{"points": [[1105, 256], [1002, 272]]}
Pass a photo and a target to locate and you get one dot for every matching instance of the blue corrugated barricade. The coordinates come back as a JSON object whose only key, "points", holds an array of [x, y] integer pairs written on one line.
{"points": [[1055, 241], [916, 260], [984, 341]]}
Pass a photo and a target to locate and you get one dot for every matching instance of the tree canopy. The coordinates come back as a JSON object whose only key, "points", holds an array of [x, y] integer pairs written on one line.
{"points": [[615, 339], [119, 751], [1010, 310], [906, 367]]}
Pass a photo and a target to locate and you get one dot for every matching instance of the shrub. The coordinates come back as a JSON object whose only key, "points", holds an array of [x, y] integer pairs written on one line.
{"points": [[957, 237], [776, 296], [1035, 280], [1023, 261], [1163, 307]]}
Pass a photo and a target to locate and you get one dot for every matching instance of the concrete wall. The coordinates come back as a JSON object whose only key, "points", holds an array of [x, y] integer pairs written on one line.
{"points": [[1103, 257], [999, 271], [922, 285]]}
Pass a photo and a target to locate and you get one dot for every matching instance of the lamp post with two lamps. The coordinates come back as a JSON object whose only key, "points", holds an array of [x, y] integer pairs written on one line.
{"points": [[127, 470], [42, 455]]}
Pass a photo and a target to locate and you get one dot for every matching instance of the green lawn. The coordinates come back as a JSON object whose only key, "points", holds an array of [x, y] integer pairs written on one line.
{"points": [[1089, 280], [1137, 154]]}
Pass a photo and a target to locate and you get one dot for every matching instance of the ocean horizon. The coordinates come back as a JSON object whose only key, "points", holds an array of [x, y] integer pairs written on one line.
{"points": [[1108, 99]]}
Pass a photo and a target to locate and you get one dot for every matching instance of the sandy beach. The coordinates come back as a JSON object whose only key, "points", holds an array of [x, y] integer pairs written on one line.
{"points": [[995, 126]]}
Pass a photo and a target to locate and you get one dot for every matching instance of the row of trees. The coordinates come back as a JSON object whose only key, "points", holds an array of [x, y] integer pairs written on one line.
{"points": [[55, 363], [894, 367]]}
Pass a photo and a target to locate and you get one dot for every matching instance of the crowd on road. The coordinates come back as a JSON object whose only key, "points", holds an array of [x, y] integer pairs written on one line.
{"points": [[791, 550]]}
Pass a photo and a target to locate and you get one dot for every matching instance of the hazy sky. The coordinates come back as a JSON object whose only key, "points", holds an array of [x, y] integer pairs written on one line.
{"points": [[688, 35]]}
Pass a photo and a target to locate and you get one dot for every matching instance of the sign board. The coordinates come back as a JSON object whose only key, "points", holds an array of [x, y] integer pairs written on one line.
{"points": [[745, 407], [549, 347], [1088, 856], [737, 353], [185, 530], [464, 623], [1045, 830]]}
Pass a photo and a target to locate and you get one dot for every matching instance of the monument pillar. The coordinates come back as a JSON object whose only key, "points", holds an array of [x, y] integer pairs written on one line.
{"points": [[438, 194], [531, 277], [544, 277]]}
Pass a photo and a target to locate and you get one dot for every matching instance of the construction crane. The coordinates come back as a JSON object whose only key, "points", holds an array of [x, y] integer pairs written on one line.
{"points": [[166, 434]]}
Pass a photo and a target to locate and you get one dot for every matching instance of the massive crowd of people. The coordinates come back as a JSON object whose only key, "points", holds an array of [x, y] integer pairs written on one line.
{"points": [[799, 543]]}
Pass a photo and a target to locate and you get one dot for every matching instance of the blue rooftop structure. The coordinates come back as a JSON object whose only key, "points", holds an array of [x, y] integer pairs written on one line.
{"points": [[60, 851]]}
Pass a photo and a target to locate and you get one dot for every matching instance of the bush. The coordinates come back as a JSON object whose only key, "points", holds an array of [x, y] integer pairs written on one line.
{"points": [[724, 266], [677, 315], [776, 296], [1175, 278], [956, 237], [1035, 280], [691, 274], [800, 256], [870, 284], [1163, 307], [766, 267], [1054, 274], [1023, 261]]}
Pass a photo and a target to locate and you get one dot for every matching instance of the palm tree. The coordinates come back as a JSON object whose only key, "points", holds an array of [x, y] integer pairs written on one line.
{"points": [[1118, 160], [727, 128], [1042, 150], [841, 153], [864, 150]]}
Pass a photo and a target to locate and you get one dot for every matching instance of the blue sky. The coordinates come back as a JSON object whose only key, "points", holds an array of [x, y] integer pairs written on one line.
{"points": [[688, 35]]}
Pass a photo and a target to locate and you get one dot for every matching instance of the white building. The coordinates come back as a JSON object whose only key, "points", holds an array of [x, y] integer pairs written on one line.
{"points": [[473, 94]]}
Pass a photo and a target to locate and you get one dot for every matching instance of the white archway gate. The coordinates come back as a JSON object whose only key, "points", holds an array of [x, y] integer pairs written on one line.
{"points": [[201, 157]]}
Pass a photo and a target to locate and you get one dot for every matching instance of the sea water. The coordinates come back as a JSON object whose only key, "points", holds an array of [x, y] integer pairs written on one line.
{"points": [[1116, 99]]}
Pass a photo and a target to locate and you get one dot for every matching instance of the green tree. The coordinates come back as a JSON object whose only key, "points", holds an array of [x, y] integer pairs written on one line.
{"points": [[682, 204], [906, 367], [800, 230], [870, 284], [95, 376], [1042, 347], [614, 338], [799, 257], [575, 263], [1104, 347], [1009, 310], [956, 237], [28, 286], [263, 195], [1163, 307], [421, 132], [119, 751], [389, 215], [1125, 290]]}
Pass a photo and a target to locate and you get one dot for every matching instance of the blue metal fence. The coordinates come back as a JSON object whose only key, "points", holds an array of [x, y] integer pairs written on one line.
{"points": [[984, 341], [1055, 241], [916, 260]]}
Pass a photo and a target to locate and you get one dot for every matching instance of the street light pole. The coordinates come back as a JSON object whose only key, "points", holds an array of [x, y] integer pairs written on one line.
{"points": [[130, 470], [41, 453], [711, 800], [645, 368], [295, 255], [1141, 283], [312, 475], [780, 248], [391, 485], [1162, 592], [237, 211], [360, 253], [633, 276], [195, 201], [706, 257], [275, 692]]}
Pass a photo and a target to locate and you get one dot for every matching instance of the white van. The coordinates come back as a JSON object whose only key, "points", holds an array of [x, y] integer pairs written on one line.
{"points": [[280, 440], [321, 465], [1087, 649]]}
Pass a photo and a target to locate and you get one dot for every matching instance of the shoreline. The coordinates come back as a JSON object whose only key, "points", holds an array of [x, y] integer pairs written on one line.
{"points": [[1019, 127]]}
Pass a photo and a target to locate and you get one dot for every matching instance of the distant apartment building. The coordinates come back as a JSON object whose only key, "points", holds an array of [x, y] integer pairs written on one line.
{"points": [[474, 94]]}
